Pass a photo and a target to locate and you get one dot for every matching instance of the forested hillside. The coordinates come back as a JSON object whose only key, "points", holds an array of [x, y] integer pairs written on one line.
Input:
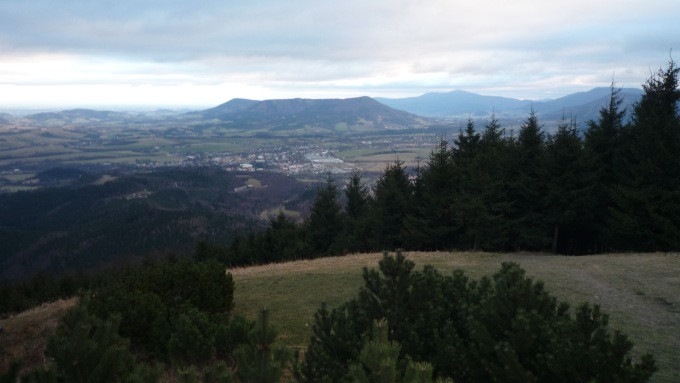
{"points": [[101, 221], [614, 188]]}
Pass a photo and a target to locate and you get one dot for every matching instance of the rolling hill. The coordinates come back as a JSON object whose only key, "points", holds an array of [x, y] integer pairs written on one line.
{"points": [[77, 116], [332, 115]]}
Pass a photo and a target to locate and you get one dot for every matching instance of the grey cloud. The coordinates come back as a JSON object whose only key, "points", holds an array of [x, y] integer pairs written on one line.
{"points": [[313, 44]]}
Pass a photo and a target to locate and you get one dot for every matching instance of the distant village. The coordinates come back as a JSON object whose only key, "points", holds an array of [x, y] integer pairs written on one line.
{"points": [[314, 160], [291, 160], [303, 160]]}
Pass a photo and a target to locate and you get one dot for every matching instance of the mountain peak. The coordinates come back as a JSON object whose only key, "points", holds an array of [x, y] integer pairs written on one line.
{"points": [[304, 113]]}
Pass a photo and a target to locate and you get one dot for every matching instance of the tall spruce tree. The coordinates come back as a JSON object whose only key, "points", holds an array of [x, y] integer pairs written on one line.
{"points": [[567, 200], [324, 224], [527, 188], [432, 224], [393, 203], [646, 203], [357, 196], [471, 207], [358, 226], [491, 167], [603, 154]]}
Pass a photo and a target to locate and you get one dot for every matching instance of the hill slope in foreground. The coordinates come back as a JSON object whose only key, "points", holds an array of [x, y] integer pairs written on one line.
{"points": [[640, 292]]}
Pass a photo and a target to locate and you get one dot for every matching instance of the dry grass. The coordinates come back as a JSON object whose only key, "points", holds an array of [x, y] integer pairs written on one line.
{"points": [[24, 336]]}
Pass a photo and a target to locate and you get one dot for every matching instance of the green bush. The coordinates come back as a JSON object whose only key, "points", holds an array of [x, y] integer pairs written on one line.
{"points": [[88, 349], [174, 311], [506, 328]]}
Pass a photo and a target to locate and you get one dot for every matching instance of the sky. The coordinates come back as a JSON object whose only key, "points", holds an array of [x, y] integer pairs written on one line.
{"points": [[84, 53]]}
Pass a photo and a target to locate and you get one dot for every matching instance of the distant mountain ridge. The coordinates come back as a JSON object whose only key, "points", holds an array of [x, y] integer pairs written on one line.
{"points": [[5, 118], [74, 115], [360, 113], [585, 105], [582, 105], [452, 103]]}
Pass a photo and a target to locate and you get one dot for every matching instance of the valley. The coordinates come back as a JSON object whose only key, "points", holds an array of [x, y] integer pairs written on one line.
{"points": [[294, 136]]}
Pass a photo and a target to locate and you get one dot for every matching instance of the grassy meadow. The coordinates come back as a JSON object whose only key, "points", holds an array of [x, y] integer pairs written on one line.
{"points": [[640, 292]]}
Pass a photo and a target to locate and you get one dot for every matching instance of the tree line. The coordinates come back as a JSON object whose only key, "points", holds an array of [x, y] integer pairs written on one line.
{"points": [[613, 187]]}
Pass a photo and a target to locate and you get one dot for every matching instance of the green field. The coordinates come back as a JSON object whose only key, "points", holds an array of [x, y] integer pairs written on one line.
{"points": [[376, 159], [640, 292]]}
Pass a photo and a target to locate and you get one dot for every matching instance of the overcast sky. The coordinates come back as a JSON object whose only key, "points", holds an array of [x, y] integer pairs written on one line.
{"points": [[179, 52]]}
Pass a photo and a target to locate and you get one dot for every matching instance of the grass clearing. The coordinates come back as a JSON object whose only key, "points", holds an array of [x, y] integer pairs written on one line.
{"points": [[253, 183], [269, 214], [24, 336], [640, 292]]}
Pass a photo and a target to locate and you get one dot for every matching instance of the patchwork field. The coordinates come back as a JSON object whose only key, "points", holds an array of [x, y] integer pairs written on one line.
{"points": [[375, 160]]}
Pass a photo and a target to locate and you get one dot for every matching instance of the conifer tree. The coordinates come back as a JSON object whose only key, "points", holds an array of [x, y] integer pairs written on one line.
{"points": [[527, 187], [393, 203], [357, 197], [358, 227], [324, 224], [261, 361], [285, 237], [567, 200], [472, 208], [337, 338], [379, 357], [432, 224], [603, 153], [379, 362], [88, 349], [489, 231], [646, 206]]}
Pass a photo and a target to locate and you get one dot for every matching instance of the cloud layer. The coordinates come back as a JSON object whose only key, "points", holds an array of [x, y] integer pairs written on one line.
{"points": [[177, 52]]}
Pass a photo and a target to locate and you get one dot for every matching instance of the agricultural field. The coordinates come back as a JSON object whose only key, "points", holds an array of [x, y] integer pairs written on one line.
{"points": [[26, 150], [374, 160]]}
